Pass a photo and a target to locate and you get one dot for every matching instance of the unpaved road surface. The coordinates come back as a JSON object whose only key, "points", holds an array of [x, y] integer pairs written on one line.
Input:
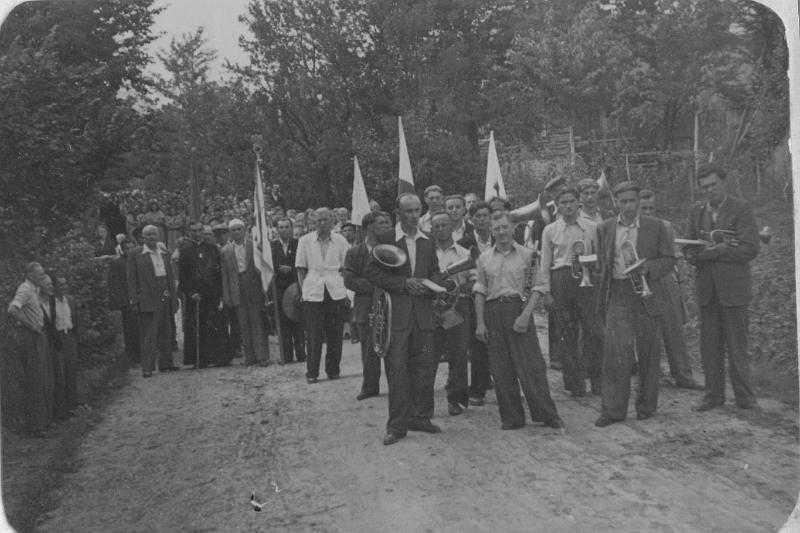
{"points": [[183, 451]]}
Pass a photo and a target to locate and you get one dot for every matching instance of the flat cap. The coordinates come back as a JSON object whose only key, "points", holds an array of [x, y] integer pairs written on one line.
{"points": [[626, 186]]}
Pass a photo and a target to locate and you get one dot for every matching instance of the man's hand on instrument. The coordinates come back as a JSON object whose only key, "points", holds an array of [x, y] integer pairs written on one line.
{"points": [[522, 323], [285, 269], [415, 286], [481, 333]]}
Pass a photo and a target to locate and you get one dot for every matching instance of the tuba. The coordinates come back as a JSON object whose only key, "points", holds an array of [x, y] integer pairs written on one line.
{"points": [[633, 269], [380, 316]]}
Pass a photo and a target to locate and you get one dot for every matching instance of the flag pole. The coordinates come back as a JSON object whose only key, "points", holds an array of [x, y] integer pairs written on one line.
{"points": [[257, 148]]}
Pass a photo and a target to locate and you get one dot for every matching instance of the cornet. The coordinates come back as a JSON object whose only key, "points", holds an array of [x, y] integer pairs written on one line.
{"points": [[578, 249], [633, 269], [585, 261]]}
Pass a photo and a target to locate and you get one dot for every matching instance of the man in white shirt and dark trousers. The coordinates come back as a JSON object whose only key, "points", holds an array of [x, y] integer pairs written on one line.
{"points": [[319, 262]]}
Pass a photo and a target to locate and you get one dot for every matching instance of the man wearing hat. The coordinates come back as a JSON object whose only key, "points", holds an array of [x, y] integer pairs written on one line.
{"points": [[242, 293], [631, 317]]}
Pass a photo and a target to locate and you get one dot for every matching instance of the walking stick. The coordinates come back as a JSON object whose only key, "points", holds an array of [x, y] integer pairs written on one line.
{"points": [[197, 335]]}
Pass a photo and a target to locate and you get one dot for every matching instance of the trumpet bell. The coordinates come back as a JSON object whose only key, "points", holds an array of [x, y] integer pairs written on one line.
{"points": [[389, 255]]}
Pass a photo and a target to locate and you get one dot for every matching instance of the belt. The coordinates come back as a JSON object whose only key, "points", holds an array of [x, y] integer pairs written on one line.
{"points": [[506, 299]]}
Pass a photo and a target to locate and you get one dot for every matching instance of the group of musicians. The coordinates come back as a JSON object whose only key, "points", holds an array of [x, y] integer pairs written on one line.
{"points": [[463, 288]]}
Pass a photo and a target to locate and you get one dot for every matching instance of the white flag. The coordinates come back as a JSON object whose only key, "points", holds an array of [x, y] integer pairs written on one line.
{"points": [[360, 200], [494, 181], [262, 251], [406, 181]]}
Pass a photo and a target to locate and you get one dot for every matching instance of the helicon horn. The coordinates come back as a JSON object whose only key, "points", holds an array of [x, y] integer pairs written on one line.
{"points": [[530, 211]]}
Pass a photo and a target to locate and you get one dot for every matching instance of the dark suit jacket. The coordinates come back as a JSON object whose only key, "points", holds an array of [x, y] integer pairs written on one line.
{"points": [[273, 202], [118, 284], [354, 274], [652, 244], [231, 284], [143, 291], [408, 310], [282, 281], [726, 273]]}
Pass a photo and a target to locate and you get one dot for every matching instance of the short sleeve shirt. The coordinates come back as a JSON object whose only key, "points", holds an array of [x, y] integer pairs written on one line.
{"points": [[26, 299]]}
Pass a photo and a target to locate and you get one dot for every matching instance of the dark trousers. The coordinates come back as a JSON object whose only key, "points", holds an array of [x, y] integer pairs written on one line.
{"points": [[370, 361], [453, 344], [293, 335], [130, 332], [59, 398], [234, 331], [671, 323], [552, 340], [724, 329], [516, 360], [69, 357], [479, 360], [38, 378], [629, 332], [410, 372], [156, 337], [571, 302], [255, 346], [324, 318]]}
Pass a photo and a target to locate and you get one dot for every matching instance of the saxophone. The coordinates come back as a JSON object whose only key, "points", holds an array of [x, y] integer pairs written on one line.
{"points": [[530, 276]]}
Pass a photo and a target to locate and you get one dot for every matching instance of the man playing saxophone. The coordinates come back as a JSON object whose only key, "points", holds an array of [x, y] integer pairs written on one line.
{"points": [[504, 305], [631, 324], [410, 363], [560, 276], [354, 273]]}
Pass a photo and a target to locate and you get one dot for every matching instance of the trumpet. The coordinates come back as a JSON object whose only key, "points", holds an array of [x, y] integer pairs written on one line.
{"points": [[633, 269], [585, 261], [578, 249]]}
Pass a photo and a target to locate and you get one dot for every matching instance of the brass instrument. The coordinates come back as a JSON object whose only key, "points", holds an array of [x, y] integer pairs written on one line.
{"points": [[444, 303], [585, 261], [380, 316], [530, 211], [633, 269], [578, 249]]}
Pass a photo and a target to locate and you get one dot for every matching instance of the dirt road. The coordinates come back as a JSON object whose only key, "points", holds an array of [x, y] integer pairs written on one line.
{"points": [[183, 451]]}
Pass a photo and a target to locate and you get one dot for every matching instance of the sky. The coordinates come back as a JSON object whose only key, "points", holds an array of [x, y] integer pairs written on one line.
{"points": [[218, 17]]}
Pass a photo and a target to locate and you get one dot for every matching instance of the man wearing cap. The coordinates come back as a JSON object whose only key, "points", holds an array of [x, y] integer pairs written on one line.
{"points": [[284, 254], [242, 293], [723, 288], [590, 209], [434, 199], [672, 320], [631, 318], [319, 262], [354, 273], [152, 294]]}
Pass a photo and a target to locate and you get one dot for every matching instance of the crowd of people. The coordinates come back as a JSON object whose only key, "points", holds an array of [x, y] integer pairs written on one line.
{"points": [[463, 278]]}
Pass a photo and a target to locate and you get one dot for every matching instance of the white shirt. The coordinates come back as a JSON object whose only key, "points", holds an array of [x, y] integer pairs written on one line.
{"points": [[411, 244], [158, 261], [239, 251], [482, 245], [458, 233], [63, 315], [452, 254], [557, 240], [324, 268]]}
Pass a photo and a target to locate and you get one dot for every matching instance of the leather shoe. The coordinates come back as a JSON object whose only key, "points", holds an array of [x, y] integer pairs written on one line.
{"points": [[333, 376], [311, 380], [454, 409], [644, 416], [365, 395], [508, 427], [391, 438], [705, 405], [425, 426], [555, 423], [604, 421], [477, 401]]}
